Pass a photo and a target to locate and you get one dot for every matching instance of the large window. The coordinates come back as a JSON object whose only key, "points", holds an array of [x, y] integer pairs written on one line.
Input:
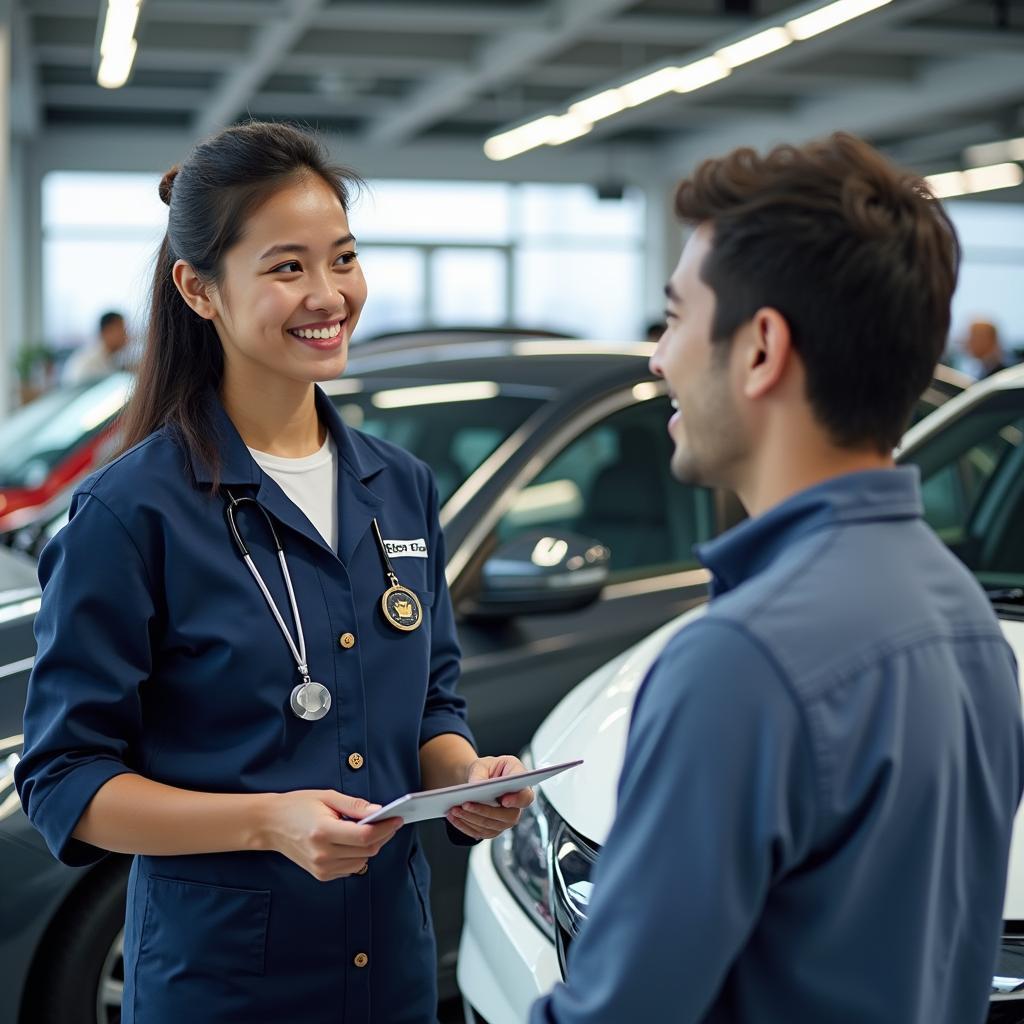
{"points": [[991, 280], [435, 254]]}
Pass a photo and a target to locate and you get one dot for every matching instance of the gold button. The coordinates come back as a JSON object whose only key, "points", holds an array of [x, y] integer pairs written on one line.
{"points": [[361, 960], [347, 640], [364, 869], [355, 761]]}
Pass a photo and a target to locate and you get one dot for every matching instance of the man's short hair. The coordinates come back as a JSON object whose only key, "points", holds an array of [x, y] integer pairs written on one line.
{"points": [[855, 253], [112, 317]]}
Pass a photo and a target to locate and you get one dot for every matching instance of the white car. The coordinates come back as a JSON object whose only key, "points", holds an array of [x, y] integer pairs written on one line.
{"points": [[527, 891]]}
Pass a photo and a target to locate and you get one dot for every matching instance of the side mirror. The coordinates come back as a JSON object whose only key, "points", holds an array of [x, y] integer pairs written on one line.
{"points": [[541, 572]]}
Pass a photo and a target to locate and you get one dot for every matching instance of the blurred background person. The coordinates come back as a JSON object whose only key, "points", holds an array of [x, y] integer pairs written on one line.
{"points": [[982, 345], [103, 356]]}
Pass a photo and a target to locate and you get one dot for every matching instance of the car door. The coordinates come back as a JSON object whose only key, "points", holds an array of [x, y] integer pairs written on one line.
{"points": [[603, 475]]}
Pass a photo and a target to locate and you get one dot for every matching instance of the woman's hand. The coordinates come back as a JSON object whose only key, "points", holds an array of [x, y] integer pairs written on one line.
{"points": [[308, 827], [481, 821]]}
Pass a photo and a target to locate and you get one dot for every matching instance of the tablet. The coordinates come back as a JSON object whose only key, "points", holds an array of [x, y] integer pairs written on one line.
{"points": [[436, 803]]}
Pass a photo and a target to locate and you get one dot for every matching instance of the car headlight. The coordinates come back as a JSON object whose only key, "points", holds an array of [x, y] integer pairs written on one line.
{"points": [[10, 753], [571, 860], [520, 856]]}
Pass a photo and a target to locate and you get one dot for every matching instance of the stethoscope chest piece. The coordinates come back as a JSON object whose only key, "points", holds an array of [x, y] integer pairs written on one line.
{"points": [[402, 608], [310, 701]]}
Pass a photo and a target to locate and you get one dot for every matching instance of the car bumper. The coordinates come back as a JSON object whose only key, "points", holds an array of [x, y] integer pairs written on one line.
{"points": [[505, 961]]}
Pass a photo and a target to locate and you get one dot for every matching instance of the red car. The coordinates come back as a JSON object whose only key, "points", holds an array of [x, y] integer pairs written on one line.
{"points": [[48, 446]]}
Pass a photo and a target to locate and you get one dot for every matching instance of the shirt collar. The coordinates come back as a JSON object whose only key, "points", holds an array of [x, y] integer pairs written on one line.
{"points": [[866, 496], [238, 467]]}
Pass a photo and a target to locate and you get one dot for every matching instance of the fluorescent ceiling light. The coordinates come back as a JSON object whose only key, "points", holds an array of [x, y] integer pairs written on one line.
{"points": [[650, 87], [977, 179], [551, 130], [995, 152], [755, 46], [117, 45], [604, 104], [433, 394], [830, 16], [700, 73], [519, 140], [569, 127]]}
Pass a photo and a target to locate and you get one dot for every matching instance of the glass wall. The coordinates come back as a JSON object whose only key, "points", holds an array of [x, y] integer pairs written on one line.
{"points": [[435, 254], [991, 284]]}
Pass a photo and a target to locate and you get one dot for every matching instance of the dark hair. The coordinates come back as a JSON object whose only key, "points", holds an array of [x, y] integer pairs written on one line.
{"points": [[221, 183], [111, 317], [855, 253]]}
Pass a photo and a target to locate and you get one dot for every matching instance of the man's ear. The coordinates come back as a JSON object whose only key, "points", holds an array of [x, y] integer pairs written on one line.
{"points": [[193, 290], [768, 351]]}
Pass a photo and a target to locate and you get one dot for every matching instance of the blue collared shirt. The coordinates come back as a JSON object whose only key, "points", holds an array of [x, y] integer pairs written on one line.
{"points": [[815, 809]]}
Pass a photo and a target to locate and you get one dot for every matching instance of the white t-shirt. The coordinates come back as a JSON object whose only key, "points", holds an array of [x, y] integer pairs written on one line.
{"points": [[311, 482], [90, 362]]}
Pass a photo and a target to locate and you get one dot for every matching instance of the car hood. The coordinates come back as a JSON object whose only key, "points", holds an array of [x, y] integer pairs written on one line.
{"points": [[592, 723]]}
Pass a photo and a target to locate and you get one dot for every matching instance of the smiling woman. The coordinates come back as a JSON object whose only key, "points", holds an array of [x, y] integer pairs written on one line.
{"points": [[253, 641]]}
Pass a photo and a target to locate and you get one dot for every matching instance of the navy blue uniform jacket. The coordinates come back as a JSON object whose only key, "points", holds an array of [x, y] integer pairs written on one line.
{"points": [[157, 654]]}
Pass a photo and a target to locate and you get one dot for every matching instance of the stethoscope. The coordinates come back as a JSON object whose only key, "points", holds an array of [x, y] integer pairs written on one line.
{"points": [[311, 700]]}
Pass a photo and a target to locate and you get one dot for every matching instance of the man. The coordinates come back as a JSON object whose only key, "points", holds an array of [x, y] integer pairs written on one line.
{"points": [[101, 357], [821, 775], [983, 347]]}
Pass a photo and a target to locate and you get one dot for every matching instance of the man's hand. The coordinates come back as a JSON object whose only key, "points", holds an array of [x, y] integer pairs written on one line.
{"points": [[481, 821]]}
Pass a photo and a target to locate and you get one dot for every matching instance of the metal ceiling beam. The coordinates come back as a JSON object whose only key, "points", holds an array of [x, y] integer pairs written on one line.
{"points": [[947, 87], [951, 40], [273, 41], [499, 58]]}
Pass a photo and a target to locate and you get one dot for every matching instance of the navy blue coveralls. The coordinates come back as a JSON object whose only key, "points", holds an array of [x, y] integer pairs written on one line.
{"points": [[157, 654]]}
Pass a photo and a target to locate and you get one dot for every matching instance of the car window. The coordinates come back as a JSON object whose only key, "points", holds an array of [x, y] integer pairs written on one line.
{"points": [[453, 438], [38, 436], [972, 482], [613, 483]]}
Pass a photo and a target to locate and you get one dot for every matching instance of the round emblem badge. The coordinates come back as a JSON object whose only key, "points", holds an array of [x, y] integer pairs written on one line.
{"points": [[402, 609]]}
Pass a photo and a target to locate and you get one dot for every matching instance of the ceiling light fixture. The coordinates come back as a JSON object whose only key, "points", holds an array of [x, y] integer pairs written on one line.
{"points": [[995, 152], [117, 45], [553, 130], [830, 16], [975, 179], [700, 73], [754, 47], [603, 105]]}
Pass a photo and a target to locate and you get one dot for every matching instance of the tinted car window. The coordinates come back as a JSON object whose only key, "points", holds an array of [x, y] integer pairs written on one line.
{"points": [[453, 437], [41, 434], [972, 476], [613, 483]]}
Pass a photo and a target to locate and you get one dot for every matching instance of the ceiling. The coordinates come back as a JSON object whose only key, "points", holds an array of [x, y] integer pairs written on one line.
{"points": [[922, 78]]}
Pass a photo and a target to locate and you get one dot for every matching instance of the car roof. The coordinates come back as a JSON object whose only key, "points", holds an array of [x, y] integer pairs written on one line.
{"points": [[1011, 379], [552, 364]]}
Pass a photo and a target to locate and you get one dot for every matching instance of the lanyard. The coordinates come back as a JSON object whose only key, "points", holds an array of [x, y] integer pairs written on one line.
{"points": [[401, 608]]}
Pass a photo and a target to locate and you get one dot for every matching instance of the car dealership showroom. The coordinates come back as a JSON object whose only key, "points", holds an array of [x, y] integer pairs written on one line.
{"points": [[662, 441]]}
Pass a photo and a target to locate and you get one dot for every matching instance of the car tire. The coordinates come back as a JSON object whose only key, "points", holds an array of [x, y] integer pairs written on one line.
{"points": [[78, 971]]}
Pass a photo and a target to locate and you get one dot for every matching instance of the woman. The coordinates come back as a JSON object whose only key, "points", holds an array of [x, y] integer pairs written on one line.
{"points": [[229, 719]]}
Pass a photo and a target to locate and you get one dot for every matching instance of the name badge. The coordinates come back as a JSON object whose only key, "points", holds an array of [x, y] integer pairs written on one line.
{"points": [[406, 548]]}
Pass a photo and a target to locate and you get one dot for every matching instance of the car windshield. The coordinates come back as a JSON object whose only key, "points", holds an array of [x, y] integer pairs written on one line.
{"points": [[972, 474], [38, 436], [452, 436]]}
